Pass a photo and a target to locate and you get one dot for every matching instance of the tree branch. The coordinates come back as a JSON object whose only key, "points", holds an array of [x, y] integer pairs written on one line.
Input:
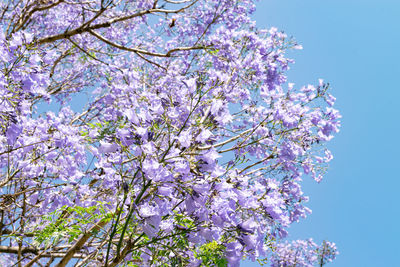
{"points": [[79, 244], [256, 163], [140, 51], [15, 250], [86, 28]]}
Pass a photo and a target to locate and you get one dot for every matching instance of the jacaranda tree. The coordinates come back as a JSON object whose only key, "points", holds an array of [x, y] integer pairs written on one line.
{"points": [[189, 148]]}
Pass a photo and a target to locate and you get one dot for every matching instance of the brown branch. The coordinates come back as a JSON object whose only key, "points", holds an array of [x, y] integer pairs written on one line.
{"points": [[42, 254], [87, 53], [15, 250], [79, 244], [9, 177], [151, 62], [256, 163], [123, 254], [35, 259], [86, 28], [24, 19], [144, 52], [226, 141]]}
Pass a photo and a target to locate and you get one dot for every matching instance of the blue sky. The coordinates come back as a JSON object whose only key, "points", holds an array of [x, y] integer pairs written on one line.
{"points": [[355, 46]]}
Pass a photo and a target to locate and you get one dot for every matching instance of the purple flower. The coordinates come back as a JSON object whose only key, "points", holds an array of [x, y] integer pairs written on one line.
{"points": [[108, 147], [203, 136], [210, 156]]}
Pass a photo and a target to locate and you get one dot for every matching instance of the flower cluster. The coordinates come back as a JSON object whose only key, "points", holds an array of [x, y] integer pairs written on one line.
{"points": [[303, 253]]}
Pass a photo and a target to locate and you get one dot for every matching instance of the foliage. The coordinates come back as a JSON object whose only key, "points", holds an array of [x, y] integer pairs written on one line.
{"points": [[212, 254]]}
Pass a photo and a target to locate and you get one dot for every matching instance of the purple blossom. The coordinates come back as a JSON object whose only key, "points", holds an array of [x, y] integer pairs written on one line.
{"points": [[107, 147]]}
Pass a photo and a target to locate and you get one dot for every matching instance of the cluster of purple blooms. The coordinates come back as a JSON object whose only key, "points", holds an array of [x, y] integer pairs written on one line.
{"points": [[303, 253], [190, 134]]}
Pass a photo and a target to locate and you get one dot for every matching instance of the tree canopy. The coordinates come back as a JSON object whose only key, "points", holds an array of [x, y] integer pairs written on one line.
{"points": [[190, 146]]}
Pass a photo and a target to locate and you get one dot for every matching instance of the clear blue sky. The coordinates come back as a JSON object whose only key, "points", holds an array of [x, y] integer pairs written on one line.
{"points": [[354, 45]]}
